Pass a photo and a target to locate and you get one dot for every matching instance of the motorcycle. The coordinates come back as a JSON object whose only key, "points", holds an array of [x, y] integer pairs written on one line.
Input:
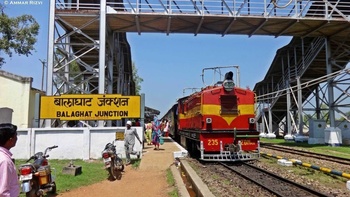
{"points": [[112, 160], [36, 178]]}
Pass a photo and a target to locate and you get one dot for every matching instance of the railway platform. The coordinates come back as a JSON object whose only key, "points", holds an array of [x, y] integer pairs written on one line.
{"points": [[164, 158], [150, 179]]}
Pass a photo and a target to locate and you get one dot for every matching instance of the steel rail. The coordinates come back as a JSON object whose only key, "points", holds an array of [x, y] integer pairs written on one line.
{"points": [[261, 180], [332, 158]]}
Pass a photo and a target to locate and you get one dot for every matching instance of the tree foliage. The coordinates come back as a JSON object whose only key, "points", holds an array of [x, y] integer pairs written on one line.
{"points": [[137, 79], [17, 34]]}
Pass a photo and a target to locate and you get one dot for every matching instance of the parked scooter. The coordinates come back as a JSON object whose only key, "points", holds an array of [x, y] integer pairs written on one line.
{"points": [[113, 162], [36, 178]]}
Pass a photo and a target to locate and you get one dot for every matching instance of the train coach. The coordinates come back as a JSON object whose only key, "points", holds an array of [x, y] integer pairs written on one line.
{"points": [[217, 123]]}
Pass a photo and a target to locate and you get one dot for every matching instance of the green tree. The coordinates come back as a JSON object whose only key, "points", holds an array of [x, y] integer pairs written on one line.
{"points": [[137, 79], [17, 34]]}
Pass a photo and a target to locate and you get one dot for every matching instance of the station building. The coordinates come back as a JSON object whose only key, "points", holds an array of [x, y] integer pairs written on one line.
{"points": [[17, 101]]}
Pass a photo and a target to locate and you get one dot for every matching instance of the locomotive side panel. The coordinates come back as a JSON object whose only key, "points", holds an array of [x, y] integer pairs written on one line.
{"points": [[190, 112]]}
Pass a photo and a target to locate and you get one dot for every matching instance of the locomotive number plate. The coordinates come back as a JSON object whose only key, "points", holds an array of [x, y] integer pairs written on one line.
{"points": [[213, 142]]}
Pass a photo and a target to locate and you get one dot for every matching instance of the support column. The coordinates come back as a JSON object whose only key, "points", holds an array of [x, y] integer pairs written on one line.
{"points": [[289, 132], [110, 68], [317, 103], [50, 52], [67, 75], [333, 135], [330, 84], [102, 52], [270, 134], [142, 117], [300, 136], [300, 108], [262, 128]]}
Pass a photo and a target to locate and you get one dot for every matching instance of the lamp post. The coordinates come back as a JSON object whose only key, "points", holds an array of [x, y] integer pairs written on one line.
{"points": [[43, 62]]}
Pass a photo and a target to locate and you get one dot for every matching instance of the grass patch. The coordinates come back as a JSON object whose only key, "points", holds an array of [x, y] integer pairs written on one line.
{"points": [[227, 182], [136, 163], [311, 174], [339, 151], [171, 181], [170, 178], [92, 171]]}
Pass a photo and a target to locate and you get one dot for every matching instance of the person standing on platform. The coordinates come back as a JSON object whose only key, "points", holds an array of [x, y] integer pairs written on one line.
{"points": [[166, 128], [156, 133], [149, 133], [137, 123], [9, 185], [129, 142], [162, 127]]}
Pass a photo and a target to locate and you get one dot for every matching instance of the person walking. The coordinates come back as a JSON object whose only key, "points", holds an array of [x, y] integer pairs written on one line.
{"points": [[9, 185], [129, 142], [149, 133], [156, 133]]}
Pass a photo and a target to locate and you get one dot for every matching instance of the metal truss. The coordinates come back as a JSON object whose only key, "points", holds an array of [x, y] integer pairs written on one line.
{"points": [[82, 61], [298, 95], [88, 52], [299, 9], [71, 73], [302, 18]]}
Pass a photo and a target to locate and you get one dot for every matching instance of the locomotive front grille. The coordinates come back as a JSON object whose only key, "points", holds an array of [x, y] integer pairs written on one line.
{"points": [[228, 105]]}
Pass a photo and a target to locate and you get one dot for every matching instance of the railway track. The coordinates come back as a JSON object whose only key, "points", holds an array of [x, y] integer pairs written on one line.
{"points": [[275, 184], [331, 158]]}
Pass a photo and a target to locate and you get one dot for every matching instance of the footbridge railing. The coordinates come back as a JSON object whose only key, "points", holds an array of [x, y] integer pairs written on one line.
{"points": [[298, 9]]}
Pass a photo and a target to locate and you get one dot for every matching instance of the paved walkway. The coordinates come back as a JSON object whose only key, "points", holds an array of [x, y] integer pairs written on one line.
{"points": [[159, 159]]}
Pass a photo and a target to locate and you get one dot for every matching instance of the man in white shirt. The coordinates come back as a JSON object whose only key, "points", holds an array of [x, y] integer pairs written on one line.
{"points": [[129, 141]]}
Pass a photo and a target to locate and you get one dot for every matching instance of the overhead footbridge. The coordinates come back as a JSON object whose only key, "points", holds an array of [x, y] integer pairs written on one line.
{"points": [[89, 52], [295, 79]]}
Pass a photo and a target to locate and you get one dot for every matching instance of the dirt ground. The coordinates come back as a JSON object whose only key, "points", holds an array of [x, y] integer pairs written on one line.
{"points": [[148, 180]]}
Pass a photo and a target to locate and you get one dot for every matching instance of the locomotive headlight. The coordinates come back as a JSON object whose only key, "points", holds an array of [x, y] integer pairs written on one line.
{"points": [[208, 120], [228, 85]]}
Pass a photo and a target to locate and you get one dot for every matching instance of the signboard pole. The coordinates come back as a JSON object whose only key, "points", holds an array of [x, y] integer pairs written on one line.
{"points": [[142, 115]]}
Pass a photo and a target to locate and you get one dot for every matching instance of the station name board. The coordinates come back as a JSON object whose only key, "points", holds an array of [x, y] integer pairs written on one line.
{"points": [[90, 107]]}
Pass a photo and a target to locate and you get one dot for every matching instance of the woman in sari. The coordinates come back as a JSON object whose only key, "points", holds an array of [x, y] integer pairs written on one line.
{"points": [[156, 133]]}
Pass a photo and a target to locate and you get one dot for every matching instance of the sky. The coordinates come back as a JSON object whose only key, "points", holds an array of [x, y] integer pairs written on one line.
{"points": [[167, 64]]}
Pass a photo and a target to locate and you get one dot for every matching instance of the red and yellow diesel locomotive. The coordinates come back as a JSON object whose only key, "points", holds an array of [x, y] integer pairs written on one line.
{"points": [[217, 123]]}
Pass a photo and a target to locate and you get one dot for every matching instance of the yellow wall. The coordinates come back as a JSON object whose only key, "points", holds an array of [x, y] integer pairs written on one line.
{"points": [[16, 93]]}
